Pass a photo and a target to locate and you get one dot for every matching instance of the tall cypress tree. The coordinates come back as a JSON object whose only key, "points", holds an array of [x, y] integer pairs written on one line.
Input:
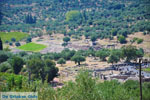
{"points": [[29, 19], [1, 44]]}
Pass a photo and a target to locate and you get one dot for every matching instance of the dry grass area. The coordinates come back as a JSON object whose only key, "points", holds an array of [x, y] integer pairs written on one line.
{"points": [[107, 41], [90, 63], [69, 70], [58, 39], [144, 45], [146, 38]]}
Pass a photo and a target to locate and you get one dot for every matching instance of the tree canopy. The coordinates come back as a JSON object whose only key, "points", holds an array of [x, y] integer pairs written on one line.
{"points": [[17, 64], [114, 57], [131, 53], [78, 59], [61, 61], [102, 54], [73, 15], [45, 68], [66, 39]]}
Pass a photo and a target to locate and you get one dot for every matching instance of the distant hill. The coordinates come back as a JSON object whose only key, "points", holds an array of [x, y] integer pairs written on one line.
{"points": [[103, 18]]}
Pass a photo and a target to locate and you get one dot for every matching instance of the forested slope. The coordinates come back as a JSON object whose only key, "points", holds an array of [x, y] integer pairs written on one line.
{"points": [[104, 18]]}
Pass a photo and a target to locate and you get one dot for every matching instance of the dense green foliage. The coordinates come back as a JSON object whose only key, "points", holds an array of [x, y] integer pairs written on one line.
{"points": [[80, 17], [38, 66], [66, 39], [4, 67], [73, 16], [17, 64], [122, 39], [61, 61], [84, 88], [115, 56], [93, 38], [78, 59], [102, 54], [29, 19], [131, 53], [40, 69], [3, 56], [139, 41], [28, 40]]}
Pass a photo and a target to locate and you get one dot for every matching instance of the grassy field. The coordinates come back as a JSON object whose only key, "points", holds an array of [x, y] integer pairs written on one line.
{"points": [[146, 69], [17, 35], [32, 47]]}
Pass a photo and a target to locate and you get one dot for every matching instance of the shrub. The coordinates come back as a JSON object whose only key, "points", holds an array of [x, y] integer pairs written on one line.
{"points": [[23, 53], [29, 39], [23, 69], [139, 41], [7, 49], [10, 43], [61, 61], [17, 44], [135, 39], [3, 57], [17, 64], [4, 66], [13, 39], [102, 54], [122, 39], [9, 71], [64, 44], [10, 81], [93, 38], [6, 41], [13, 81], [18, 81], [144, 33], [66, 39], [73, 15]]}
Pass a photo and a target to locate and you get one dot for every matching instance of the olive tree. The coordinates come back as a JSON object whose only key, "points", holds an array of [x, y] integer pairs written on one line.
{"points": [[78, 59], [61, 61], [42, 68], [17, 64]]}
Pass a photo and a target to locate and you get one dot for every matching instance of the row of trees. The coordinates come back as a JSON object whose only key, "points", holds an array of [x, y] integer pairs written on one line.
{"points": [[36, 67], [29, 19], [128, 53]]}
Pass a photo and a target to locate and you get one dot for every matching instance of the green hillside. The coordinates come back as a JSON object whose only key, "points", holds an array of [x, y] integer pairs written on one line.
{"points": [[8, 36], [103, 18]]}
